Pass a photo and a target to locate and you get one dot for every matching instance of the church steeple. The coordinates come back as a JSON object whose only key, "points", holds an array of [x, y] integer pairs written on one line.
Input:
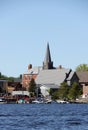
{"points": [[48, 55], [47, 64]]}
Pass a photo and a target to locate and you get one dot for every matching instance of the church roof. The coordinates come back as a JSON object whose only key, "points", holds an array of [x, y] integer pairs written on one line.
{"points": [[53, 76]]}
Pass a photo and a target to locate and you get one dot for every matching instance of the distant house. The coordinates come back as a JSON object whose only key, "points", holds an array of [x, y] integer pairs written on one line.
{"points": [[14, 85], [83, 80], [31, 73]]}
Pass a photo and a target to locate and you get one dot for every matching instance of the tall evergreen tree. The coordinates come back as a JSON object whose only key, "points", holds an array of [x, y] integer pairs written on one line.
{"points": [[63, 91], [74, 92], [32, 86]]}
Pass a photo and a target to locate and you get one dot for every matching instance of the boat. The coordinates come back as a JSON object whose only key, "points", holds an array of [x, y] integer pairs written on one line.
{"points": [[3, 101], [37, 101], [41, 100], [62, 101], [48, 101], [22, 101]]}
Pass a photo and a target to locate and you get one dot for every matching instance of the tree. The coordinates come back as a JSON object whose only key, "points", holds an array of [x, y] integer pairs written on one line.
{"points": [[32, 87], [0, 75], [75, 91], [10, 79], [63, 91], [82, 67], [55, 95], [20, 76], [18, 87], [3, 77], [50, 91]]}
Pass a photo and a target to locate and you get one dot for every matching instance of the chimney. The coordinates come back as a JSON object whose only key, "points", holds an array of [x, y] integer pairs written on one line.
{"points": [[29, 66], [60, 67]]}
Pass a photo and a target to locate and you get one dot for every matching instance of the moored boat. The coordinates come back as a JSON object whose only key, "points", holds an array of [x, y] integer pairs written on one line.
{"points": [[62, 101], [3, 101], [37, 102]]}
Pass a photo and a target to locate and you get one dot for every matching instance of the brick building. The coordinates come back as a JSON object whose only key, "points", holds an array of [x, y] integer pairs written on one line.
{"points": [[31, 73], [83, 80]]}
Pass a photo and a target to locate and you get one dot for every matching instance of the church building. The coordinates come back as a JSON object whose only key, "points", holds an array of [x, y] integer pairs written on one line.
{"points": [[48, 76]]}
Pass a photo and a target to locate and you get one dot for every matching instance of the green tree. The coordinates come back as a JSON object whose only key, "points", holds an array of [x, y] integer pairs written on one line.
{"points": [[82, 67], [50, 91], [75, 91], [32, 87], [3, 77], [20, 76], [63, 91], [10, 79], [55, 95], [0, 75]]}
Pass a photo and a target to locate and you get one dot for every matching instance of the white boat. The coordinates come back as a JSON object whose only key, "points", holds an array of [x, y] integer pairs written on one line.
{"points": [[62, 101], [48, 101], [37, 102], [2, 101]]}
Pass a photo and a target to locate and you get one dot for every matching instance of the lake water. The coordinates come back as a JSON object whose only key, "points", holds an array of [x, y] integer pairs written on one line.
{"points": [[44, 117]]}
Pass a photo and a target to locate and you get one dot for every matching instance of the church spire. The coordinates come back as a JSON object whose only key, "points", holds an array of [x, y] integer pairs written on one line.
{"points": [[48, 55], [47, 64]]}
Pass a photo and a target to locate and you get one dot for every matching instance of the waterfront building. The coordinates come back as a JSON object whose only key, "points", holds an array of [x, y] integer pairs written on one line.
{"points": [[52, 77], [31, 73], [83, 81], [47, 76]]}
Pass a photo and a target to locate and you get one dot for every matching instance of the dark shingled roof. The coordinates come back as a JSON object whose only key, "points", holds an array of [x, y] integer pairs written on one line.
{"points": [[83, 76]]}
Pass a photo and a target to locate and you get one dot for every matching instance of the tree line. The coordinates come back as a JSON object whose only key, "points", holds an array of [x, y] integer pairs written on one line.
{"points": [[9, 79], [66, 92]]}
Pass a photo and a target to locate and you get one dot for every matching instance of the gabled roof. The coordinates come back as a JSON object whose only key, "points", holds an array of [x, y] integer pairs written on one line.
{"points": [[83, 76], [53, 76]]}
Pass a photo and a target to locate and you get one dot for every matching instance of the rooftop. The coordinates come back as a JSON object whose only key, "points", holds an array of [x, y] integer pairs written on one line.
{"points": [[83, 76], [53, 76]]}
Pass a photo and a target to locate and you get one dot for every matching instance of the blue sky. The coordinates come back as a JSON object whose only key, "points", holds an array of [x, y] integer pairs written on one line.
{"points": [[27, 25]]}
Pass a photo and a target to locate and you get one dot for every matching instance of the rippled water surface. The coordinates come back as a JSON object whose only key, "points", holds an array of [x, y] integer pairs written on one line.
{"points": [[44, 117]]}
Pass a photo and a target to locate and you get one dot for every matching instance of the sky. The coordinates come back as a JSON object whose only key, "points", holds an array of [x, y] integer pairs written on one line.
{"points": [[27, 25]]}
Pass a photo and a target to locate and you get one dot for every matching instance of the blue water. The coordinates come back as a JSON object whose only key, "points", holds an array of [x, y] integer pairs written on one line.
{"points": [[44, 117]]}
